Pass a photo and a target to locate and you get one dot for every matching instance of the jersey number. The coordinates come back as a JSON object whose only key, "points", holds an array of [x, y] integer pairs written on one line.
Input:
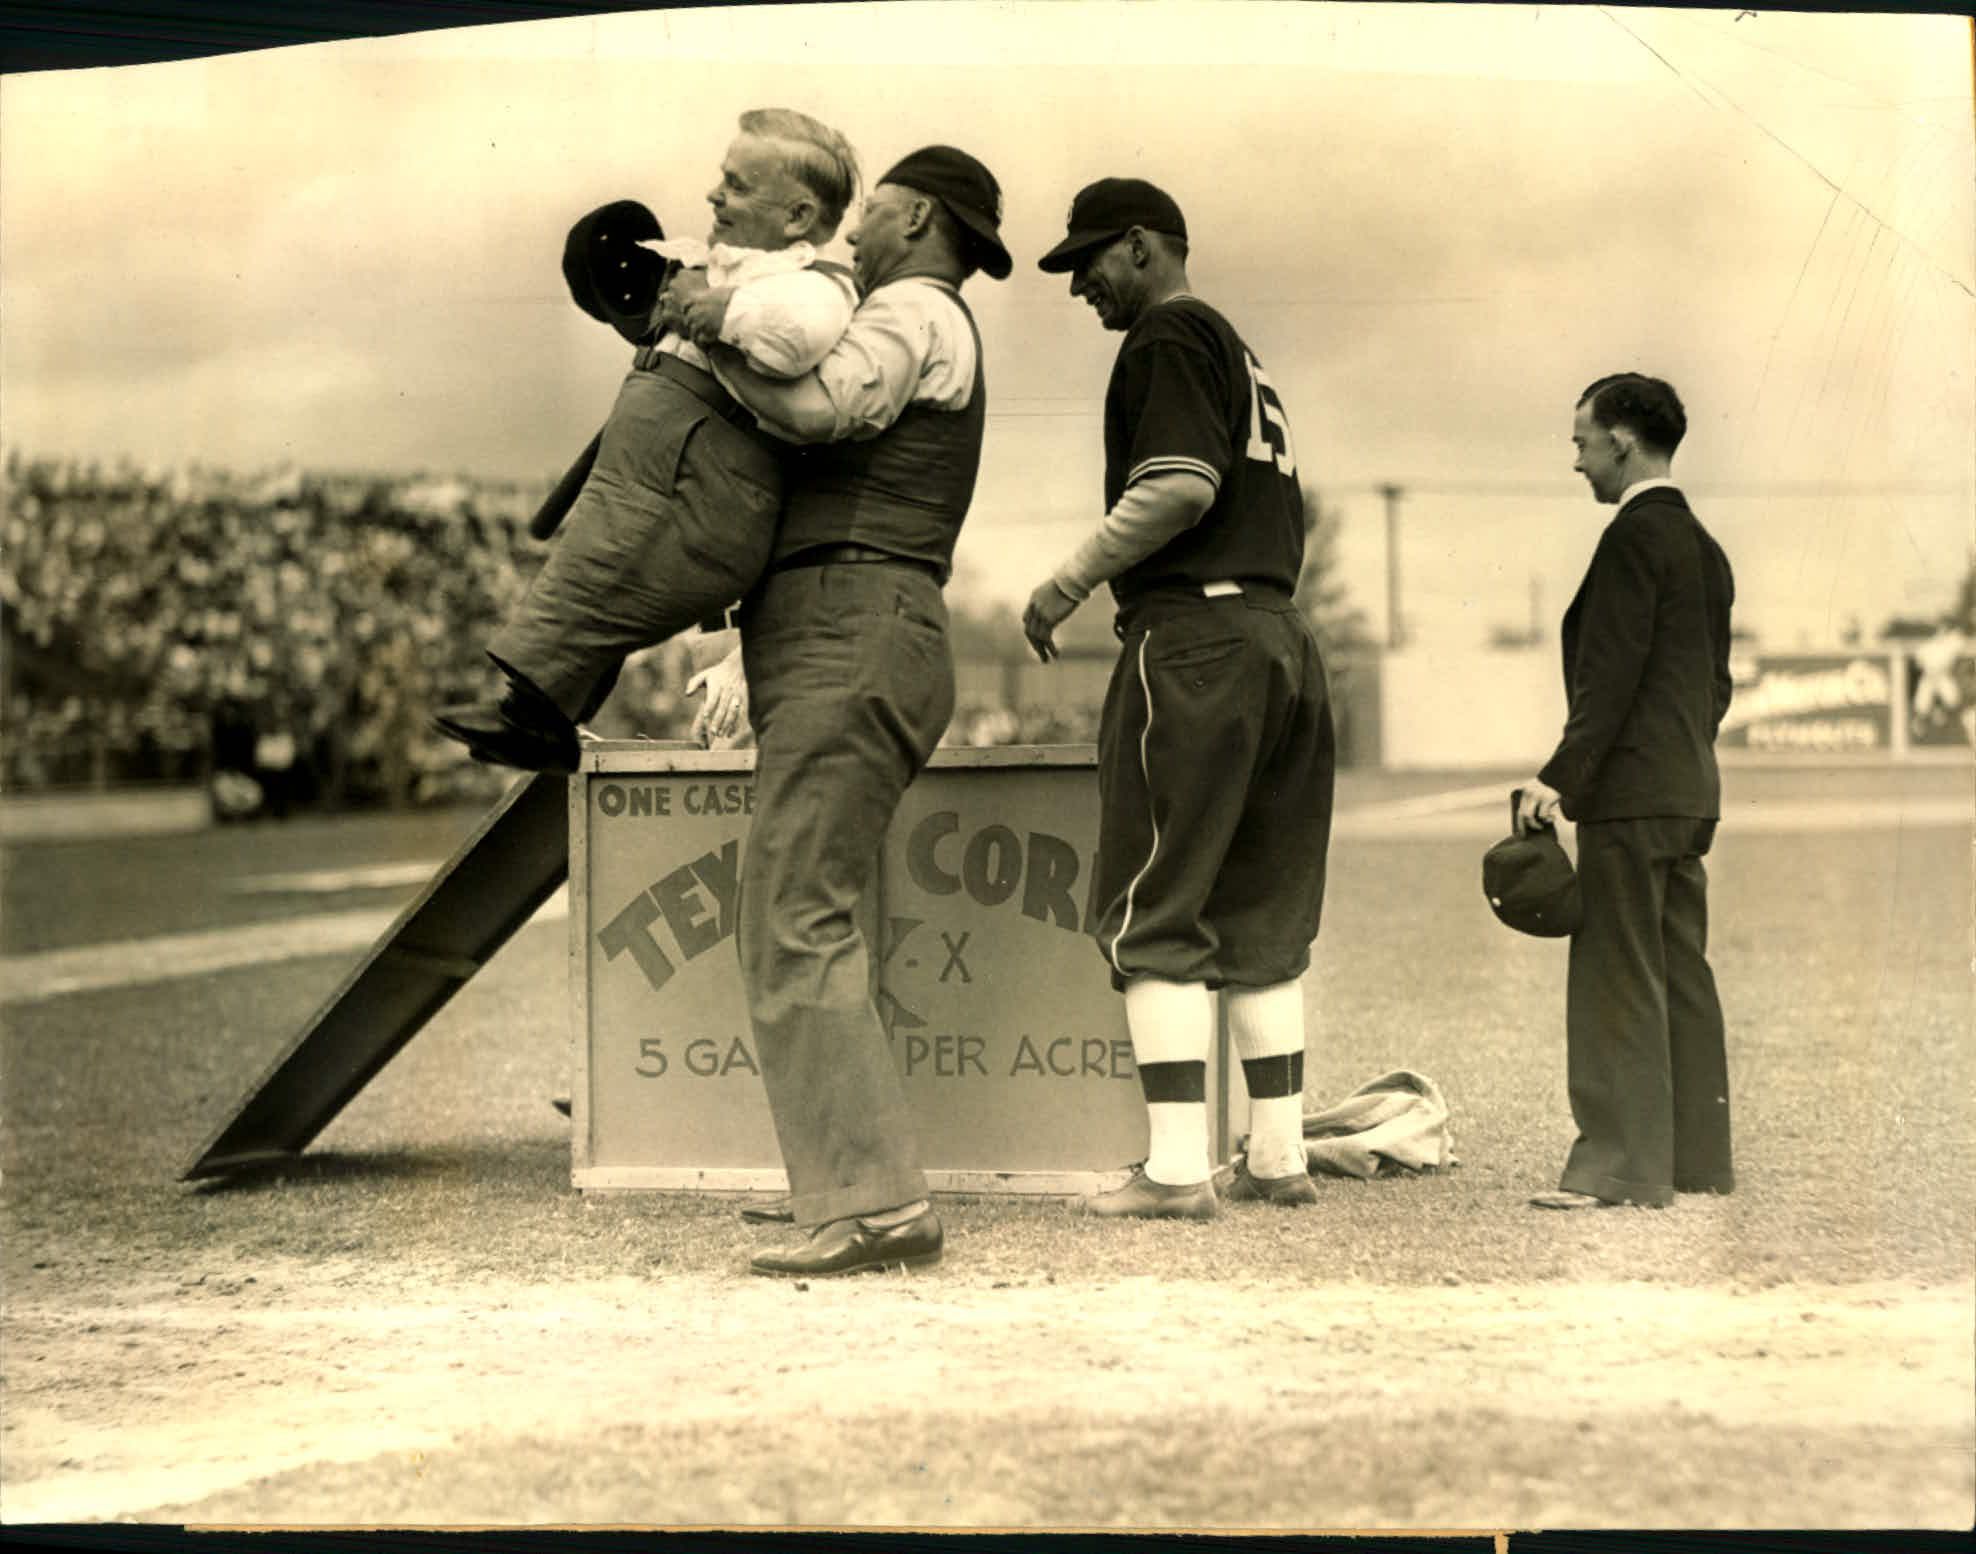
{"points": [[1264, 402]]}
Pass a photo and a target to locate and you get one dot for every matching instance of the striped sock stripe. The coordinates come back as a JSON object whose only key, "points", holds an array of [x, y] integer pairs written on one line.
{"points": [[1173, 1082], [1272, 1078]]}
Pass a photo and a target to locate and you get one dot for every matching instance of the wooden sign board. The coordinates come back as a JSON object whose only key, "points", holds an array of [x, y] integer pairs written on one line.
{"points": [[997, 1003]]}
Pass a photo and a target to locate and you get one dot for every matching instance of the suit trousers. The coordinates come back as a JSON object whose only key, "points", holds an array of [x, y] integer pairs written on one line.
{"points": [[673, 524], [1647, 1071], [851, 684]]}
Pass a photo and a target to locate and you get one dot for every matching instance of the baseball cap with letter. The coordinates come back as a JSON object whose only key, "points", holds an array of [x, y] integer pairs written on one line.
{"points": [[1105, 211], [1531, 884], [968, 191]]}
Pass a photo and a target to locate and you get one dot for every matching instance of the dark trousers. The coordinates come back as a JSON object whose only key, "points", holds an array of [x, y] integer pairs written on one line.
{"points": [[673, 524], [851, 684], [1648, 1077]]}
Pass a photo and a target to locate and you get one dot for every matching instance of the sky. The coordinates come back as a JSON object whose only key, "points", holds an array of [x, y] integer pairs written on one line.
{"points": [[1434, 225]]}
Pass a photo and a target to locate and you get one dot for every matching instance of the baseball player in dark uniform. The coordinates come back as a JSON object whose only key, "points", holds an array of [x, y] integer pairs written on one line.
{"points": [[1215, 748]]}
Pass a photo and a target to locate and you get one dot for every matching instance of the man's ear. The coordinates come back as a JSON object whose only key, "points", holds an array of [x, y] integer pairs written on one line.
{"points": [[801, 222], [919, 219]]}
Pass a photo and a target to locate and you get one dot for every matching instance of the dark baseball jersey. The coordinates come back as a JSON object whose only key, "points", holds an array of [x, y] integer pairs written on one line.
{"points": [[1187, 395], [1215, 746]]}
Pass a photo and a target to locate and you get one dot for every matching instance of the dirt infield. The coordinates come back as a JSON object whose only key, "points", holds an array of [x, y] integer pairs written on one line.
{"points": [[422, 1323], [336, 1390]]}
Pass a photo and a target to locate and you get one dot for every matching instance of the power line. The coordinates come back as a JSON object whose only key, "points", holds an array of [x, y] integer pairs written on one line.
{"points": [[1552, 491], [1804, 488]]}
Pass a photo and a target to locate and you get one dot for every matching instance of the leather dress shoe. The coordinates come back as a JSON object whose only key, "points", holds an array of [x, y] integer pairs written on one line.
{"points": [[1564, 1198], [1144, 1198], [499, 732], [847, 1246], [775, 1212], [1290, 1191]]}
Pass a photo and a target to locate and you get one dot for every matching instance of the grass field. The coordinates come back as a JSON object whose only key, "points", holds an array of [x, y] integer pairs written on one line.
{"points": [[423, 1323]]}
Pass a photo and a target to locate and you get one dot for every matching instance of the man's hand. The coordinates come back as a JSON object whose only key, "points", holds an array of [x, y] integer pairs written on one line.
{"points": [[726, 708], [669, 312], [693, 308], [1048, 608], [1536, 806]]}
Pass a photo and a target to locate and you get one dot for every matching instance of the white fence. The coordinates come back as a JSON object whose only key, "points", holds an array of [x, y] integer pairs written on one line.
{"points": [[1442, 710]]}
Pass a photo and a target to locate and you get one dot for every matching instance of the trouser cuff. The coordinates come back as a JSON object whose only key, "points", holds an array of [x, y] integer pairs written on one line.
{"points": [[893, 1190], [1613, 1190]]}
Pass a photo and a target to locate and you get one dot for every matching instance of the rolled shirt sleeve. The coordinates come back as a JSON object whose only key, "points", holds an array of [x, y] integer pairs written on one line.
{"points": [[908, 343]]}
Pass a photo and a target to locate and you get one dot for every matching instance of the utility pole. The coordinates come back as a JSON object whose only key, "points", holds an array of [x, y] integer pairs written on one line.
{"points": [[1395, 627]]}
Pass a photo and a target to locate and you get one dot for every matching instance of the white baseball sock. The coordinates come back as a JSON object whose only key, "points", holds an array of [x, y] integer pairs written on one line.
{"points": [[1172, 1027], [1268, 1026]]}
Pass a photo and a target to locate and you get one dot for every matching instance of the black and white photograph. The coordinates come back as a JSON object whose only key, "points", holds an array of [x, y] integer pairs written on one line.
{"points": [[1192, 765]]}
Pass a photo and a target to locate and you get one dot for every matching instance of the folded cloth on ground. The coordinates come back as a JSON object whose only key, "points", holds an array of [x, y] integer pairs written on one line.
{"points": [[1397, 1122]]}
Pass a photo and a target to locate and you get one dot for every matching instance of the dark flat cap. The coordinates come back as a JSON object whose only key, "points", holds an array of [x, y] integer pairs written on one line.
{"points": [[970, 193], [1531, 884]]}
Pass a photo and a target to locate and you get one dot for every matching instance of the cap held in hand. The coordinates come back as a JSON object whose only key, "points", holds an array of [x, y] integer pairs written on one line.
{"points": [[610, 276], [1531, 884]]}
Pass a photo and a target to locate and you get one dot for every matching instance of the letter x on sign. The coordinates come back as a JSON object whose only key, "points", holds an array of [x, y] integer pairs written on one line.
{"points": [[954, 961]]}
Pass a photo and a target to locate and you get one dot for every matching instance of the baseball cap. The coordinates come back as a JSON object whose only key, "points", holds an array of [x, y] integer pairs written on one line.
{"points": [[969, 192], [610, 276], [1105, 210], [1531, 884]]}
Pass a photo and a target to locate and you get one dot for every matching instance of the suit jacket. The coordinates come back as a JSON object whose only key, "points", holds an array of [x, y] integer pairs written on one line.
{"points": [[1646, 668]]}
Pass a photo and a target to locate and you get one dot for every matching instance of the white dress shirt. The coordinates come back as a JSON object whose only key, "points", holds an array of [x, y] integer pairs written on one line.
{"points": [[909, 343], [1646, 485]]}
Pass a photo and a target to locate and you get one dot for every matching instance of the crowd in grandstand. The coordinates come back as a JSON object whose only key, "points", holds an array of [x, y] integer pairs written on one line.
{"points": [[286, 635]]}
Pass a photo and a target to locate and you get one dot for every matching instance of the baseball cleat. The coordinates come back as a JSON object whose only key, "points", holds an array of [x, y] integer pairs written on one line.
{"points": [[1289, 1191], [1144, 1198]]}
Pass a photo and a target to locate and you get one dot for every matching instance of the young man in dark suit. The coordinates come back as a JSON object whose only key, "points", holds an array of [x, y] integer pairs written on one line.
{"points": [[1646, 670]]}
